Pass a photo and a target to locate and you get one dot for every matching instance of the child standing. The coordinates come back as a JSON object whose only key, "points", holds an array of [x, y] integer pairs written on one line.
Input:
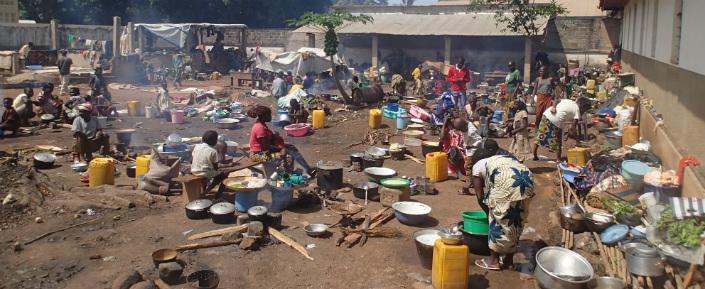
{"points": [[520, 146]]}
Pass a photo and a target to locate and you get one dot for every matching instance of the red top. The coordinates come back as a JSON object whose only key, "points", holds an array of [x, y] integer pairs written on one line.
{"points": [[455, 74], [259, 131]]}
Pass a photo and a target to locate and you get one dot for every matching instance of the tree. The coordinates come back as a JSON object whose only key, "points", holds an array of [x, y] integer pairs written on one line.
{"points": [[407, 2], [40, 10], [520, 16], [328, 23]]}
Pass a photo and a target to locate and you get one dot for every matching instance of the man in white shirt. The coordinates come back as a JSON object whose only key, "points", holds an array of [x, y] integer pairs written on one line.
{"points": [[24, 53], [204, 162], [88, 135], [550, 130], [23, 105]]}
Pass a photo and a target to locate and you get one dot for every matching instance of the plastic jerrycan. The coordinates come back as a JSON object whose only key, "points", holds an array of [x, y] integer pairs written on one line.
{"points": [[450, 266], [142, 166], [101, 171], [375, 120], [578, 156], [319, 119], [437, 166], [630, 135]]}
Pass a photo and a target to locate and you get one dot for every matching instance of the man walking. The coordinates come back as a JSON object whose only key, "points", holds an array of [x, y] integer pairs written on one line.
{"points": [[178, 61], [64, 63]]}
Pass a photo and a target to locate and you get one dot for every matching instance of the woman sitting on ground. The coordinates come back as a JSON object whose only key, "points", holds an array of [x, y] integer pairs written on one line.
{"points": [[269, 147], [503, 187]]}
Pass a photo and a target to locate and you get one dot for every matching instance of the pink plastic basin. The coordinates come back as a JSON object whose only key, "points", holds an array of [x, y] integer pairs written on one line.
{"points": [[297, 129]]}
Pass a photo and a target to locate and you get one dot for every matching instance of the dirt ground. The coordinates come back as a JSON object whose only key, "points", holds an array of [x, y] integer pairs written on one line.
{"points": [[90, 256]]}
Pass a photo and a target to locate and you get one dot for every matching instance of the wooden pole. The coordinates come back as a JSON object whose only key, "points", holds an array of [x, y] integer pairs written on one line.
{"points": [[375, 50], [117, 25], [527, 59], [447, 48], [54, 34], [130, 37]]}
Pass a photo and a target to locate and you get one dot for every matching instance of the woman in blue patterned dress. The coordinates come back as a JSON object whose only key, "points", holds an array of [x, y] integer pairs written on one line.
{"points": [[503, 187]]}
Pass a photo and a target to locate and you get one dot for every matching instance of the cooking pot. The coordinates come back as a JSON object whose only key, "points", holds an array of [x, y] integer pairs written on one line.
{"points": [[198, 209], [257, 213], [124, 136], [477, 243], [644, 260], [44, 161], [560, 268], [372, 190], [428, 147], [47, 118], [369, 162], [329, 176], [598, 221], [375, 152], [223, 213], [284, 117], [356, 161], [572, 219], [131, 170]]}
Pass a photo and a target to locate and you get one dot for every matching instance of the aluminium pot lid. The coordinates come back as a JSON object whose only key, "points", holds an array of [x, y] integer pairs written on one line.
{"points": [[198, 205], [257, 211], [222, 208]]}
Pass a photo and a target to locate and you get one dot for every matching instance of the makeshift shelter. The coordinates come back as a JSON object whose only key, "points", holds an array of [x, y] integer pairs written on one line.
{"points": [[304, 60]]}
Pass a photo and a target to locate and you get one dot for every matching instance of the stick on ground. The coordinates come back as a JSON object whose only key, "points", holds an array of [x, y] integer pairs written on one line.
{"points": [[42, 236]]}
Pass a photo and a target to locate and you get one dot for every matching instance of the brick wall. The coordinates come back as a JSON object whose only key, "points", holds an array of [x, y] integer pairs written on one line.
{"points": [[593, 35]]}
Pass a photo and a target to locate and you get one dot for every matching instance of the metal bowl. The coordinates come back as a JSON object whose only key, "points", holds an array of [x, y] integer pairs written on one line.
{"points": [[376, 174], [315, 230], [607, 283], [79, 167], [560, 268], [598, 221], [227, 123], [411, 213], [450, 237], [572, 218], [376, 152]]}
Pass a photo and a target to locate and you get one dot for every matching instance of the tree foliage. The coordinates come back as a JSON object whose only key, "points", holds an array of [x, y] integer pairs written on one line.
{"points": [[255, 13], [328, 22], [520, 16]]}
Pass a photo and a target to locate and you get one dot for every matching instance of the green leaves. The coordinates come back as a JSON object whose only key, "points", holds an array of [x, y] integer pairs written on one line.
{"points": [[520, 16], [681, 232], [328, 22]]}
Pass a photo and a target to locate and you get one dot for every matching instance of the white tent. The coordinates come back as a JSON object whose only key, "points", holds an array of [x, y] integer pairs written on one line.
{"points": [[304, 60]]}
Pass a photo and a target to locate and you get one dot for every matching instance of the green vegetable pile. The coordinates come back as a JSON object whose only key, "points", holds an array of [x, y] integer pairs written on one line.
{"points": [[684, 232], [619, 208]]}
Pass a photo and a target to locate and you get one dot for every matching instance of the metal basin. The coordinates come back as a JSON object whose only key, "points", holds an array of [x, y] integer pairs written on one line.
{"points": [[572, 218], [607, 283], [315, 230], [560, 268], [598, 221]]}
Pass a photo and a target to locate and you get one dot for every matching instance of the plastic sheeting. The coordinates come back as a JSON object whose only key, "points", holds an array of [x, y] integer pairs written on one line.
{"points": [[304, 60], [177, 34]]}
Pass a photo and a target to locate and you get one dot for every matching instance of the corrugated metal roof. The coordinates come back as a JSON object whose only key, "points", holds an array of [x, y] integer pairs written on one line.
{"points": [[470, 24]]}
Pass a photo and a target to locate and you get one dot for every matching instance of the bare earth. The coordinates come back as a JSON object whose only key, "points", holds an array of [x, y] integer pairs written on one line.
{"points": [[63, 260]]}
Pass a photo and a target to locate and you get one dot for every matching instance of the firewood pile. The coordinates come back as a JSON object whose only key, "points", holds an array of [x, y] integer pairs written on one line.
{"points": [[355, 231]]}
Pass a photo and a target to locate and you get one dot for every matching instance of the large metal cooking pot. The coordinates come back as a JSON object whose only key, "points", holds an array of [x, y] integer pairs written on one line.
{"points": [[44, 160], [330, 175], [257, 213], [371, 162], [198, 209], [223, 213], [572, 219], [372, 190], [644, 260], [560, 268]]}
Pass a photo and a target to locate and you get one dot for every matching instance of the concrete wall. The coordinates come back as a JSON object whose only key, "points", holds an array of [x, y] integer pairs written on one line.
{"points": [[14, 35], [94, 32], [9, 11], [677, 95]]}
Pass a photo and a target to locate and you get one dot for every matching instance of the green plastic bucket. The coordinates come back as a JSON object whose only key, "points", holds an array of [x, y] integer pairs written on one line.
{"points": [[475, 222]]}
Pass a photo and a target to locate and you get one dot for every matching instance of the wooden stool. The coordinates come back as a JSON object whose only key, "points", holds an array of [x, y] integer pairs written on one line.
{"points": [[192, 187]]}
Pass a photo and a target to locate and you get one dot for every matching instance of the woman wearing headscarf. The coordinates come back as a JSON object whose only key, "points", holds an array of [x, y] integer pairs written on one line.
{"points": [[269, 147], [503, 187]]}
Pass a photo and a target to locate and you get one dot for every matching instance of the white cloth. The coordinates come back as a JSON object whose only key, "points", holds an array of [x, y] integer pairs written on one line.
{"points": [[565, 110], [204, 156], [163, 100], [20, 103], [89, 128], [479, 169]]}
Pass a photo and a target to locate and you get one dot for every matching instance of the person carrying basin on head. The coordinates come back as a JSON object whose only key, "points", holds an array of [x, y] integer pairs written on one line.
{"points": [[269, 147]]}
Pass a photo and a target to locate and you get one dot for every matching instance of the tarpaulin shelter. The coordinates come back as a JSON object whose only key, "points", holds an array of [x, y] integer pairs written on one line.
{"points": [[178, 34], [304, 60]]}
